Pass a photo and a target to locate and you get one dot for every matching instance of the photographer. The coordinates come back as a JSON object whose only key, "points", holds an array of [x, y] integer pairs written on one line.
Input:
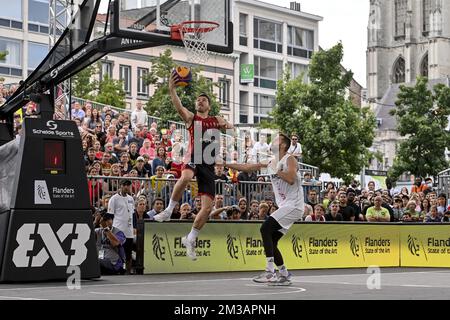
{"points": [[110, 241], [230, 211]]}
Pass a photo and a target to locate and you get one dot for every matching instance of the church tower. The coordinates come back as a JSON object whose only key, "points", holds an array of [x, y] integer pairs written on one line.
{"points": [[406, 38]]}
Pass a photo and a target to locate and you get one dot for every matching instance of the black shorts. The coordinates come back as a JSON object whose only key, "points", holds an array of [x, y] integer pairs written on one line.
{"points": [[206, 178], [128, 248]]}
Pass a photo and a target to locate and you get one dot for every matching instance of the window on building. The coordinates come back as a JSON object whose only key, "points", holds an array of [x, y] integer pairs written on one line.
{"points": [[12, 63], [11, 14], [243, 37], [243, 118], [267, 72], [300, 42], [424, 66], [36, 54], [427, 10], [400, 17], [38, 11], [298, 70], [125, 76], [142, 86], [38, 16], [224, 93], [399, 71], [106, 70], [267, 35], [264, 104]]}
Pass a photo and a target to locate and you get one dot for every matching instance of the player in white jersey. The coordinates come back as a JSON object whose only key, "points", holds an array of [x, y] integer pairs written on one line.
{"points": [[288, 191]]}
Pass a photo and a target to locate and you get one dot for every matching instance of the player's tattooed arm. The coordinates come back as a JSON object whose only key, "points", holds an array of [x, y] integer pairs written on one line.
{"points": [[184, 113]]}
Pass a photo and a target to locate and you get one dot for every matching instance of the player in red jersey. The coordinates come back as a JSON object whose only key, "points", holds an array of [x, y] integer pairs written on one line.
{"points": [[197, 162]]}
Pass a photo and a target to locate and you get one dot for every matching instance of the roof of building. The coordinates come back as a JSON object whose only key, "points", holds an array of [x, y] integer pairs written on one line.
{"points": [[387, 103], [270, 6]]}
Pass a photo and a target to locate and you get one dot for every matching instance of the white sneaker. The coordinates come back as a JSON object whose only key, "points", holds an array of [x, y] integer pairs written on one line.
{"points": [[280, 281], [190, 248], [163, 216], [266, 277]]}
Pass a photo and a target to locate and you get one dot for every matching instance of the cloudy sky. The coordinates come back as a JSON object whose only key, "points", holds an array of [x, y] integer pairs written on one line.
{"points": [[344, 20]]}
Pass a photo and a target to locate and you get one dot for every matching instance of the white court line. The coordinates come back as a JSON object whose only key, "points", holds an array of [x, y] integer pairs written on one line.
{"points": [[297, 290], [129, 284], [19, 298], [302, 281]]}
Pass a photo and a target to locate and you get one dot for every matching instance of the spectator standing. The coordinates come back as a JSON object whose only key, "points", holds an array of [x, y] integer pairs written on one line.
{"points": [[419, 186], [260, 149], [157, 208], [139, 116], [139, 213], [121, 205], [295, 149]]}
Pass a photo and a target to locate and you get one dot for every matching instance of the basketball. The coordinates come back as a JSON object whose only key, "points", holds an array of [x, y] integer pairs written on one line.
{"points": [[184, 76]]}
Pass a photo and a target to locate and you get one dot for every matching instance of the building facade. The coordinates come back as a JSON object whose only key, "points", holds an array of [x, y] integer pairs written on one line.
{"points": [[269, 38], [24, 34], [406, 39]]}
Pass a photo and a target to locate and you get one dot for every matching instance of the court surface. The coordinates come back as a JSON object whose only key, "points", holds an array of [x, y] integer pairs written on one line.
{"points": [[345, 284]]}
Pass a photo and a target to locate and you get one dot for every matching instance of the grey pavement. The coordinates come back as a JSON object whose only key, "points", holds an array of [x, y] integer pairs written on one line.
{"points": [[344, 284]]}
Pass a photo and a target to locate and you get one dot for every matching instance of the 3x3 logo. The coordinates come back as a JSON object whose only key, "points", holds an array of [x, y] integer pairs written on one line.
{"points": [[52, 245]]}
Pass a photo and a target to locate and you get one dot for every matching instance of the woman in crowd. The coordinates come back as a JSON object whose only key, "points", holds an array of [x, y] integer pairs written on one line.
{"points": [[160, 159]]}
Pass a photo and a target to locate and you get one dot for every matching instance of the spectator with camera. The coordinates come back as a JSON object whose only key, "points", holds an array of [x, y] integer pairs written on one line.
{"points": [[110, 243]]}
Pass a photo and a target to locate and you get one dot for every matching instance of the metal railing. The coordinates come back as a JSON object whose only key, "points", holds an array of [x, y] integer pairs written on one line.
{"points": [[444, 182], [99, 106], [151, 188]]}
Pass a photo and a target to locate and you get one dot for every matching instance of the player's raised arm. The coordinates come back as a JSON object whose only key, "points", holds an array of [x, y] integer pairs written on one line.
{"points": [[290, 176], [184, 113]]}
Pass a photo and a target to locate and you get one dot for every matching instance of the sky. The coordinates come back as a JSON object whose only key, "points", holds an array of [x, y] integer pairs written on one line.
{"points": [[343, 20]]}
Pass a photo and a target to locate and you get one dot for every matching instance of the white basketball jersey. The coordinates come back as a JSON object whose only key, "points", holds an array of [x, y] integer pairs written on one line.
{"points": [[287, 195]]}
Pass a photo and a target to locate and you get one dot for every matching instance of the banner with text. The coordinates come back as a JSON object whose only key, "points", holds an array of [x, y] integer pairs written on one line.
{"points": [[238, 247], [425, 246]]}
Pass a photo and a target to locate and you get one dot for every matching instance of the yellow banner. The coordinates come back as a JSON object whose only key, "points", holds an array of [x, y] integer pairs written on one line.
{"points": [[313, 246], [238, 247], [425, 246]]}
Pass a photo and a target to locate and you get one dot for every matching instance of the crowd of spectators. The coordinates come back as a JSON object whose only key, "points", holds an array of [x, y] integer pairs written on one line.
{"points": [[127, 147]]}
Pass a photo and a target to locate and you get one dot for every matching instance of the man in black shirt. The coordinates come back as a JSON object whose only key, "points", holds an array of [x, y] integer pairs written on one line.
{"points": [[351, 194], [312, 198], [347, 212]]}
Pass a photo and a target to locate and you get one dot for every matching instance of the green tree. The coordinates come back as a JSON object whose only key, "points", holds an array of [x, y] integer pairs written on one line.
{"points": [[422, 117], [83, 84], [111, 92], [335, 134], [160, 104], [3, 55]]}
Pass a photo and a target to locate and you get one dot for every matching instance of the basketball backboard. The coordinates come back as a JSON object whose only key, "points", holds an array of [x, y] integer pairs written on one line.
{"points": [[150, 20]]}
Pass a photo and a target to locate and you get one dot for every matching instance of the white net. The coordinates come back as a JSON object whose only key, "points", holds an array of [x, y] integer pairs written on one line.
{"points": [[194, 38]]}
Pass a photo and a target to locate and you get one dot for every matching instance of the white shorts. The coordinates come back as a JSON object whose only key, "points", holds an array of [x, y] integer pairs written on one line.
{"points": [[286, 217]]}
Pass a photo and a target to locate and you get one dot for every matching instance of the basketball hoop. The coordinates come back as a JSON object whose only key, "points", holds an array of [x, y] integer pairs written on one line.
{"points": [[193, 34]]}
